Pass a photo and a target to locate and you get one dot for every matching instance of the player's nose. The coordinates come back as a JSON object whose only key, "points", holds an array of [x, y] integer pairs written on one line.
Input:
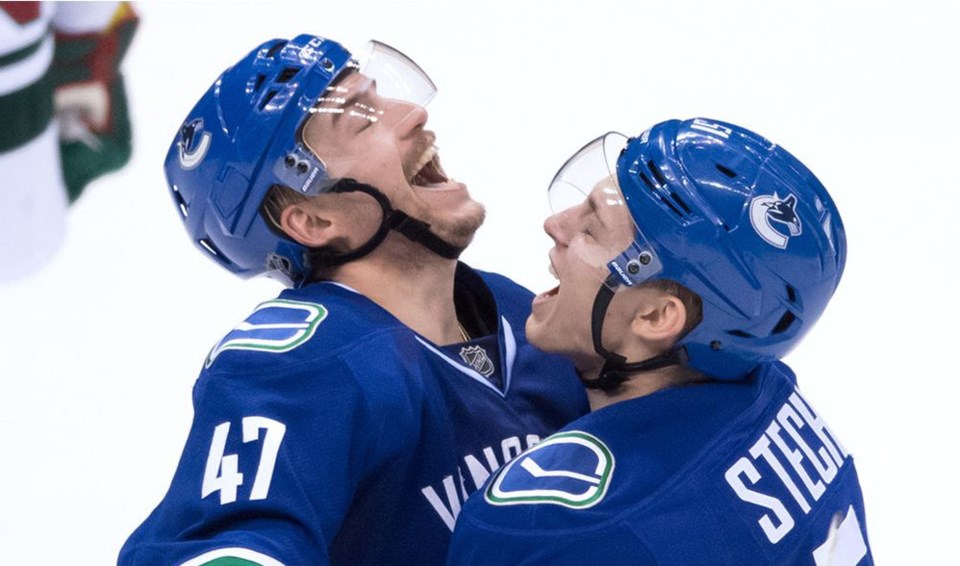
{"points": [[411, 117], [554, 226]]}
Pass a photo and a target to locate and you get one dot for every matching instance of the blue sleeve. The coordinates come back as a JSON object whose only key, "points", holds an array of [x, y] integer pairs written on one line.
{"points": [[269, 469]]}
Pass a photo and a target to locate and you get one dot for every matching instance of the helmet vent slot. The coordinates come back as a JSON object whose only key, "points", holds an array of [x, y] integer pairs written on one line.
{"points": [[214, 251], [208, 245], [267, 98], [287, 74], [791, 294], [661, 180], [669, 205], [678, 200], [726, 171], [740, 333], [784, 323], [275, 48], [647, 182], [181, 205], [259, 83]]}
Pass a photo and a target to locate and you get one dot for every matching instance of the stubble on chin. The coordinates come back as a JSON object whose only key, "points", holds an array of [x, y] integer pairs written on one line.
{"points": [[458, 231], [413, 256]]}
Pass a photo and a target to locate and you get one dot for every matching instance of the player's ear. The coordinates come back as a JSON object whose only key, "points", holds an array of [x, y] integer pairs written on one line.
{"points": [[659, 317], [308, 223]]}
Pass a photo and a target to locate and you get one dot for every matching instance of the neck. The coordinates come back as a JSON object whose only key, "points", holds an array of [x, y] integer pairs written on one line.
{"points": [[640, 385], [419, 293]]}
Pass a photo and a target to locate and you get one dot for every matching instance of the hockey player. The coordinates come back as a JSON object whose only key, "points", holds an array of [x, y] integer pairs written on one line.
{"points": [[345, 421], [65, 118], [690, 259]]}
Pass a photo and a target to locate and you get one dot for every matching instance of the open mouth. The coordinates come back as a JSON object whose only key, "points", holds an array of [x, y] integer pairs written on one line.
{"points": [[427, 171], [552, 292], [546, 295]]}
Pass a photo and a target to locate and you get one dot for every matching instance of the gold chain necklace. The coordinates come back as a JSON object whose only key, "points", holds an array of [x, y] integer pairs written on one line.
{"points": [[463, 332]]}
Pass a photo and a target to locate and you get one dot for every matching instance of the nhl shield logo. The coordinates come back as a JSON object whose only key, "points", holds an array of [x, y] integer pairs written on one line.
{"points": [[279, 263], [477, 358], [775, 219]]}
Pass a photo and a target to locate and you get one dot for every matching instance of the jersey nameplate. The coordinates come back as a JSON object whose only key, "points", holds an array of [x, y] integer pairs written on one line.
{"points": [[572, 469], [274, 327], [788, 468]]}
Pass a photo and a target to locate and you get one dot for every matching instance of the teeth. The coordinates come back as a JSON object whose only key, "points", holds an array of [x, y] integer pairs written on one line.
{"points": [[427, 157]]}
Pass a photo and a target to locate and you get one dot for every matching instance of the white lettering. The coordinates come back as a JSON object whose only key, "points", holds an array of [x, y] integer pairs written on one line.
{"points": [[795, 431], [762, 449], [491, 460], [510, 447], [449, 507], [478, 473], [825, 467], [796, 461], [820, 428], [448, 511], [745, 467]]}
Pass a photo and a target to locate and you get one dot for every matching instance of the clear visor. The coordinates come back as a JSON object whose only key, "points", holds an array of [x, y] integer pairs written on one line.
{"points": [[591, 213], [382, 90], [397, 76]]}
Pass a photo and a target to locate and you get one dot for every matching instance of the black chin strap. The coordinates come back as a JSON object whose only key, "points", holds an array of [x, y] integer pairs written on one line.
{"points": [[415, 230], [615, 368]]}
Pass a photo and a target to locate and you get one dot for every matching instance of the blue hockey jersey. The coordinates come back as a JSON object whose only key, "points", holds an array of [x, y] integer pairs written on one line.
{"points": [[715, 473], [326, 431]]}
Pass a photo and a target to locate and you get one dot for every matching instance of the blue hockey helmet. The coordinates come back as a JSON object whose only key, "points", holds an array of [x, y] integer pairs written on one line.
{"points": [[731, 216], [244, 136]]}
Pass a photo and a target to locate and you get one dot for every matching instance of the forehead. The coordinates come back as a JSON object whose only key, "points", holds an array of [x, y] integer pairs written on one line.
{"points": [[343, 92], [606, 202], [334, 116], [605, 193], [350, 80]]}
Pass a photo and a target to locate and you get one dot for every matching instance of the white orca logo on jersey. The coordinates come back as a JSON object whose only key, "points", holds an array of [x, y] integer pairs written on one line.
{"points": [[571, 469], [765, 209], [193, 144], [477, 358], [285, 325]]}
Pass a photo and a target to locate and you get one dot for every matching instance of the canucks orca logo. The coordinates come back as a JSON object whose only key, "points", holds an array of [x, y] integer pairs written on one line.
{"points": [[477, 358], [571, 469], [771, 216], [194, 143]]}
